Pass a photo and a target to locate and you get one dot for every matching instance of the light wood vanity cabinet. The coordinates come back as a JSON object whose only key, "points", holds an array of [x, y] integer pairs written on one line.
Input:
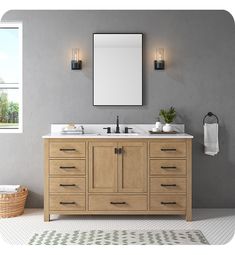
{"points": [[117, 176]]}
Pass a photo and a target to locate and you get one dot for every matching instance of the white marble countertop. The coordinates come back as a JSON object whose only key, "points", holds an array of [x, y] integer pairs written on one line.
{"points": [[96, 131], [110, 136]]}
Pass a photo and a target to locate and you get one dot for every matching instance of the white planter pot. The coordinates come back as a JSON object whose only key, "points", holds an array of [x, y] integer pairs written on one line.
{"points": [[167, 128]]}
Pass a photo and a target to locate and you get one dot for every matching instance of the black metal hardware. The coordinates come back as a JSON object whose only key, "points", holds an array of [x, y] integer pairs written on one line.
{"points": [[168, 185], [168, 167], [83, 131], [67, 203], [168, 149], [108, 130], [127, 130], [210, 114], [67, 167], [168, 203], [159, 64], [67, 149], [76, 65], [117, 203], [118, 150], [67, 185], [117, 126]]}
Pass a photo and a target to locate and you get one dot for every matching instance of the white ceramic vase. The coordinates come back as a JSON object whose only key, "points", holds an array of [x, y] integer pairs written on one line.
{"points": [[167, 127], [158, 126]]}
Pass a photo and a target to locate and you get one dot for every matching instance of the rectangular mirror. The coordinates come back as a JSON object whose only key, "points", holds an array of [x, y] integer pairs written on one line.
{"points": [[117, 69]]}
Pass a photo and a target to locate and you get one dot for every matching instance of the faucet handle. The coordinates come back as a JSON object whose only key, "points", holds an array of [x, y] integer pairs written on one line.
{"points": [[108, 130], [82, 128], [127, 130]]}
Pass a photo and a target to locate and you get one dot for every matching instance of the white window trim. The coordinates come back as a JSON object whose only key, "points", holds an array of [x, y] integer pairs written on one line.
{"points": [[20, 27]]}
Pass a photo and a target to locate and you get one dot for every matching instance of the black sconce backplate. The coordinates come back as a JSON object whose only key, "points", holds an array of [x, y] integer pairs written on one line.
{"points": [[76, 65], [159, 64]]}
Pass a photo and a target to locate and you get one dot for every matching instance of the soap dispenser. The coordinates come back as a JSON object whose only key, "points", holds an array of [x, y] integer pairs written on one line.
{"points": [[158, 125]]}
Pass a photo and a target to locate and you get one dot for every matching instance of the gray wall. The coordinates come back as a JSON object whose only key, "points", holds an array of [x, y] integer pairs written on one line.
{"points": [[199, 77]]}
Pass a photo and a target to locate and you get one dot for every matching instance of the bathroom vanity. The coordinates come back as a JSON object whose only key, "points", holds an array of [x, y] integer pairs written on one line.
{"points": [[118, 174]]}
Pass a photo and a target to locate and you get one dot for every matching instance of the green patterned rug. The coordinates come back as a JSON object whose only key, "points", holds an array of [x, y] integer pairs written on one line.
{"points": [[119, 237]]}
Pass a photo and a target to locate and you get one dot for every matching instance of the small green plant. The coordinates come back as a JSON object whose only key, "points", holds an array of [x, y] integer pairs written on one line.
{"points": [[168, 115]]}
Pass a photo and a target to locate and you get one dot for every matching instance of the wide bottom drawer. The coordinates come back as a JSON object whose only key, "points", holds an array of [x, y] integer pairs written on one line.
{"points": [[117, 203], [67, 202], [167, 202]]}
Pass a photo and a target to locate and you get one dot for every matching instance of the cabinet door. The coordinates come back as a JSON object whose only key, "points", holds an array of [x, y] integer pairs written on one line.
{"points": [[132, 167], [102, 167]]}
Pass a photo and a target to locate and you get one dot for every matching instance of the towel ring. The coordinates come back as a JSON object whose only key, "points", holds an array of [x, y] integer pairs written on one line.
{"points": [[210, 114]]}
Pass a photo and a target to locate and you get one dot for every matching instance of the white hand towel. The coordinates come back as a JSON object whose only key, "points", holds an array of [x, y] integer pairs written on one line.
{"points": [[9, 188], [211, 139]]}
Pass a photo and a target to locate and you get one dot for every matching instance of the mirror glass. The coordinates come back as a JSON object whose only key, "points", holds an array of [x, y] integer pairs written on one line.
{"points": [[117, 69]]}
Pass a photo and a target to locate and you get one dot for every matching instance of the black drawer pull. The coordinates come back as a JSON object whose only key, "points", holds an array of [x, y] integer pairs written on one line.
{"points": [[67, 167], [67, 203], [168, 203], [116, 150], [168, 167], [168, 185], [168, 149], [67, 149], [67, 185], [117, 203]]}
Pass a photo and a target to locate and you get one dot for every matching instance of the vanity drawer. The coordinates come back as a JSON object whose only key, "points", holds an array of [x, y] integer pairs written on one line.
{"points": [[67, 185], [117, 203], [167, 202], [167, 149], [167, 167], [67, 149], [67, 202], [168, 185], [67, 167]]}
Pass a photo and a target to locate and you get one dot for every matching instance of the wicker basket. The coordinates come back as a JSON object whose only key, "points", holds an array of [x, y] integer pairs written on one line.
{"points": [[12, 205]]}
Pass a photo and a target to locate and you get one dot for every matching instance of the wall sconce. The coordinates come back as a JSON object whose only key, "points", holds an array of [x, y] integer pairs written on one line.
{"points": [[76, 64], [159, 63]]}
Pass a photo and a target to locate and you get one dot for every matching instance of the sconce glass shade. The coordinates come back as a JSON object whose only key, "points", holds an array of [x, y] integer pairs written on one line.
{"points": [[76, 64], [159, 62]]}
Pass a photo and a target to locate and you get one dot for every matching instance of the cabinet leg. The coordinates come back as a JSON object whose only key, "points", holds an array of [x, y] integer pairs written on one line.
{"points": [[46, 217], [188, 216]]}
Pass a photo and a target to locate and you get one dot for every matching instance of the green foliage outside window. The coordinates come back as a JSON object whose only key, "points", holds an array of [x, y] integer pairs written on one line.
{"points": [[9, 111]]}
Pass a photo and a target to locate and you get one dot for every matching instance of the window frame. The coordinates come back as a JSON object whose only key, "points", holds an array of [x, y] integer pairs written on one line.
{"points": [[19, 86]]}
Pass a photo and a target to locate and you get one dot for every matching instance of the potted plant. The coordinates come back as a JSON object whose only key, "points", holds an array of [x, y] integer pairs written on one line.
{"points": [[168, 115]]}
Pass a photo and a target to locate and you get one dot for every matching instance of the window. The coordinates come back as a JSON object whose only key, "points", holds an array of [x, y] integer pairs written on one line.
{"points": [[10, 78]]}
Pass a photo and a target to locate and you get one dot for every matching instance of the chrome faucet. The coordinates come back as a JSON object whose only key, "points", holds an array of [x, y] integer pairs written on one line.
{"points": [[117, 126]]}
